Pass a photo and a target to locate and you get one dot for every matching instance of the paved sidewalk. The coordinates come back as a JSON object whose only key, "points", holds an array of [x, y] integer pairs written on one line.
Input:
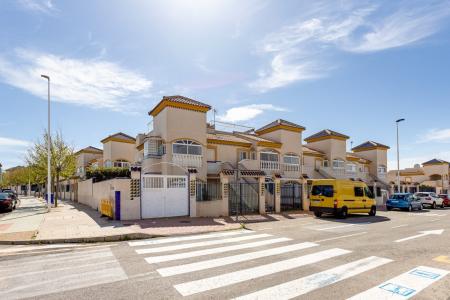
{"points": [[74, 222]]}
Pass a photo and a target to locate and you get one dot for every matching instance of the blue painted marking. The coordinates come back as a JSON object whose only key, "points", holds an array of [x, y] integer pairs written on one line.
{"points": [[397, 289], [424, 274]]}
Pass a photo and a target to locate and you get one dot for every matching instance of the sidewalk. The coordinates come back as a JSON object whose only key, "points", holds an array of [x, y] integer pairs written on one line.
{"points": [[74, 222]]}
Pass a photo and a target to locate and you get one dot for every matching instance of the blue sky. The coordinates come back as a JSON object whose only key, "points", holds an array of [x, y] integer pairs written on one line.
{"points": [[351, 66]]}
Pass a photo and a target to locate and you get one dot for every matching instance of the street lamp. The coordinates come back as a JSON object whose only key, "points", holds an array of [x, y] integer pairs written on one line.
{"points": [[49, 174], [398, 156]]}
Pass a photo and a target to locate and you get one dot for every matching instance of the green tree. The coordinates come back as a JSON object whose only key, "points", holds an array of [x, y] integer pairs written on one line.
{"points": [[63, 161]]}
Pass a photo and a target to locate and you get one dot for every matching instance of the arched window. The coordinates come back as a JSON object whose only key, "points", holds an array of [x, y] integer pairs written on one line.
{"points": [[291, 159], [351, 168], [269, 155], [382, 169], [121, 163], [186, 147]]}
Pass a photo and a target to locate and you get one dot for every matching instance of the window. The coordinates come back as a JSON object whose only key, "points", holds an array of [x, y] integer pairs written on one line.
{"points": [[121, 164], [368, 193], [359, 191], [351, 168], [269, 156], [187, 147], [154, 147], [108, 164], [381, 170], [338, 164], [325, 163], [322, 190], [243, 155], [291, 159]]}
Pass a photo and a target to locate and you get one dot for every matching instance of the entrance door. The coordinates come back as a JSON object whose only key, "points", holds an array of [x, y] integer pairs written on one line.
{"points": [[291, 196], [164, 196], [270, 196]]}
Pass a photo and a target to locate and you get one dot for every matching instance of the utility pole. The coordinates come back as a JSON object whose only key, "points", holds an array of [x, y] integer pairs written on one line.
{"points": [[49, 173], [398, 156]]}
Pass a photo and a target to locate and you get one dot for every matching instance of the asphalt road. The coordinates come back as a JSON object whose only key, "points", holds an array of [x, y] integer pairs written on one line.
{"points": [[395, 255]]}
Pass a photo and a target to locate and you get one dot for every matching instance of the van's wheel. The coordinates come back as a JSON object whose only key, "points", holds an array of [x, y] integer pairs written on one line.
{"points": [[344, 213], [318, 214], [373, 211], [442, 206], [433, 206]]}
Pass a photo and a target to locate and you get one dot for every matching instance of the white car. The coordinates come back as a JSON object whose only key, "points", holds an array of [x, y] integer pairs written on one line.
{"points": [[430, 199]]}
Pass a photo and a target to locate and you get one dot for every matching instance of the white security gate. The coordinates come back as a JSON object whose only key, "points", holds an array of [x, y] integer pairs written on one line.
{"points": [[164, 196]]}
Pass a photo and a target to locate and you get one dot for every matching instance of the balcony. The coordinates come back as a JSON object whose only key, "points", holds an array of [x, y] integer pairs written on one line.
{"points": [[188, 160], [291, 170], [249, 164], [269, 166]]}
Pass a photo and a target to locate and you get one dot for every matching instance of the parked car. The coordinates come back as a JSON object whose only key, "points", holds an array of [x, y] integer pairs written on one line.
{"points": [[446, 199], [430, 199], [403, 201], [6, 202], [13, 196], [341, 197]]}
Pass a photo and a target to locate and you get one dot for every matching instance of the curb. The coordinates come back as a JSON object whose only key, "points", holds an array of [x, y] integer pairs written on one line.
{"points": [[98, 239]]}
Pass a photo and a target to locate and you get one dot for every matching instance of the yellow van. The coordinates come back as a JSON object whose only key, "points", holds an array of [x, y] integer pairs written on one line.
{"points": [[341, 197]]}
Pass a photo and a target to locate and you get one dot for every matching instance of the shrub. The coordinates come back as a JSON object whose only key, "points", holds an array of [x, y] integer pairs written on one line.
{"points": [[101, 174]]}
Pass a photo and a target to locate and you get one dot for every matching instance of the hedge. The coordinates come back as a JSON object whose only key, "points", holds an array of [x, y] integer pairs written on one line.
{"points": [[101, 174]]}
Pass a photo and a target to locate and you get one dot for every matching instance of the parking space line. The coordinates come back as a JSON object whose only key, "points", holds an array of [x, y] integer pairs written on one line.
{"points": [[341, 237], [403, 225]]}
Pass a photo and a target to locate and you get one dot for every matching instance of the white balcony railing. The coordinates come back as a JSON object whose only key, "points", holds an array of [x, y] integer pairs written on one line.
{"points": [[267, 165], [291, 167], [187, 160]]}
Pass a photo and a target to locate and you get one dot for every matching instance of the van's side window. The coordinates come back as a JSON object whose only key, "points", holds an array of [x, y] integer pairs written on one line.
{"points": [[359, 191], [369, 193], [322, 190]]}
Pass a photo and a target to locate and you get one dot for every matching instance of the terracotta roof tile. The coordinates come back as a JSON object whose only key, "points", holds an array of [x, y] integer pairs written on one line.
{"points": [[326, 132], [280, 122]]}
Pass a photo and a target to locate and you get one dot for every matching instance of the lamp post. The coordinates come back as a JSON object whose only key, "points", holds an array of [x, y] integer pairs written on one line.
{"points": [[398, 156], [49, 173]]}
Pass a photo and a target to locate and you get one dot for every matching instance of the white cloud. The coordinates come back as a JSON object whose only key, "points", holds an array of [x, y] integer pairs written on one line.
{"points": [[39, 6], [10, 142], [88, 82], [301, 51], [247, 112], [436, 135]]}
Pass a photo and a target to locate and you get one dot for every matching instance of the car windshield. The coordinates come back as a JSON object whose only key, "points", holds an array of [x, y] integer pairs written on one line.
{"points": [[322, 190], [399, 197], [4, 196]]}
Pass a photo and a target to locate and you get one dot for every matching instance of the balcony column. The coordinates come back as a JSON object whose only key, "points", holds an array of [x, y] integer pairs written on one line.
{"points": [[305, 199], [192, 195], [262, 195], [277, 195], [225, 194]]}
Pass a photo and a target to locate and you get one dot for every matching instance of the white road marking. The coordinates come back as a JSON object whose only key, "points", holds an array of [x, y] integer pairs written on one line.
{"points": [[336, 227], [60, 248], [170, 257], [403, 286], [223, 261], [202, 244], [403, 225], [340, 237], [157, 241], [310, 283], [422, 233], [202, 285]]}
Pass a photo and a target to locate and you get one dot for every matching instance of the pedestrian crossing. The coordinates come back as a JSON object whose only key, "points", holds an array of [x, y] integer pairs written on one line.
{"points": [[210, 265], [53, 272]]}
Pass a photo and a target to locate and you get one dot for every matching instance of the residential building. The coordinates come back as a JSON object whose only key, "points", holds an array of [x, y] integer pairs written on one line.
{"points": [[432, 176]]}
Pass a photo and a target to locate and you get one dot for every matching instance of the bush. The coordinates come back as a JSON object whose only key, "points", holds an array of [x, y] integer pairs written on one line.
{"points": [[101, 174]]}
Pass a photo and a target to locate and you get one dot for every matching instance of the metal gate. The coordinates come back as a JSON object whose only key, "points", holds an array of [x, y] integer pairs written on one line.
{"points": [[164, 196], [269, 196], [243, 198], [291, 196]]}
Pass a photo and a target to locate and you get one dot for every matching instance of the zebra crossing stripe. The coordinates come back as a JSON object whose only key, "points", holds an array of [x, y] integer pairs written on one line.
{"points": [[184, 255], [405, 285], [202, 285], [301, 286], [223, 261], [202, 244], [187, 238]]}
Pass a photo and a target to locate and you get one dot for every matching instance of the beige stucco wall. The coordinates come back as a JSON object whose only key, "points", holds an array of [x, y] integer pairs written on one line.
{"points": [[85, 190], [333, 149], [113, 151], [83, 159], [215, 208], [291, 141], [377, 158]]}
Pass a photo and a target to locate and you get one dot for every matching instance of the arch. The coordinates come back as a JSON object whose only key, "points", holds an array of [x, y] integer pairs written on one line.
{"points": [[435, 177], [187, 146]]}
